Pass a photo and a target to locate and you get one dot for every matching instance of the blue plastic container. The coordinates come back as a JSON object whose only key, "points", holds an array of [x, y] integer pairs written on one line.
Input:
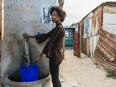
{"points": [[29, 73]]}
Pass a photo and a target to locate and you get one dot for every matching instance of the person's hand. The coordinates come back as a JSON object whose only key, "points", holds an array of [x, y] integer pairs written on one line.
{"points": [[26, 35]]}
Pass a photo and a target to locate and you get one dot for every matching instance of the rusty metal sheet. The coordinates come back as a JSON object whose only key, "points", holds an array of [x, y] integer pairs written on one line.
{"points": [[111, 37], [111, 58], [106, 65], [83, 46], [101, 59], [76, 43], [90, 15], [88, 46], [93, 44], [87, 24], [109, 9], [92, 25], [80, 31], [107, 45], [109, 41], [109, 22], [95, 41], [97, 21], [99, 17], [98, 32], [108, 35], [90, 28]]}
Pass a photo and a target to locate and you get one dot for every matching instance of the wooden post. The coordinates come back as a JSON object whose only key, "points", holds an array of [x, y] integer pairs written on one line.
{"points": [[80, 35]]}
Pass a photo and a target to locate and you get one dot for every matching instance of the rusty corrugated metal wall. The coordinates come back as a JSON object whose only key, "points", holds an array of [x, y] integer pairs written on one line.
{"points": [[80, 30], [90, 26], [96, 27], [105, 53], [97, 33]]}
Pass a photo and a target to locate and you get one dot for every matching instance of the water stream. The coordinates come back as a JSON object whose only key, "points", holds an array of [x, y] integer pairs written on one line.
{"points": [[26, 55]]}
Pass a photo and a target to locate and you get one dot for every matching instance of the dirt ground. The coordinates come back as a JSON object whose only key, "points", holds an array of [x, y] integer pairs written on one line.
{"points": [[76, 72]]}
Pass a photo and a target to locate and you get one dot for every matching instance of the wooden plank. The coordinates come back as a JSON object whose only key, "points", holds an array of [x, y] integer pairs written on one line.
{"points": [[104, 59], [109, 9], [108, 35], [107, 40], [109, 55], [106, 66], [111, 65], [112, 51]]}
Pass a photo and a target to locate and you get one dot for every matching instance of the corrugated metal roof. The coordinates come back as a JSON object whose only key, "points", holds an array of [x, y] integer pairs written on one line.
{"points": [[109, 4]]}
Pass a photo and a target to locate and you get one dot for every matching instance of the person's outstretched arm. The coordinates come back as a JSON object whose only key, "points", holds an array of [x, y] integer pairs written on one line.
{"points": [[39, 38], [26, 35]]}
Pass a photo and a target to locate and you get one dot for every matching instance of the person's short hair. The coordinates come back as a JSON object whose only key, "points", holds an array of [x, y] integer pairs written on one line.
{"points": [[61, 12]]}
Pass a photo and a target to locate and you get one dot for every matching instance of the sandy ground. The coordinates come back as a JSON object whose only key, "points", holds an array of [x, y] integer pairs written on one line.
{"points": [[76, 72]]}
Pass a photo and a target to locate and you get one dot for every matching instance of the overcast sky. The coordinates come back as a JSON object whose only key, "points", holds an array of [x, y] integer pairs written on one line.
{"points": [[77, 9]]}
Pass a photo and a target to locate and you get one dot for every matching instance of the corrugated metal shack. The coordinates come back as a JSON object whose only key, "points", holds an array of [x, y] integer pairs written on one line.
{"points": [[97, 35]]}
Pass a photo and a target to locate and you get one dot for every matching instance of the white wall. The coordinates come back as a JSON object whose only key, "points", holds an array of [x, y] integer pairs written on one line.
{"points": [[20, 16]]}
